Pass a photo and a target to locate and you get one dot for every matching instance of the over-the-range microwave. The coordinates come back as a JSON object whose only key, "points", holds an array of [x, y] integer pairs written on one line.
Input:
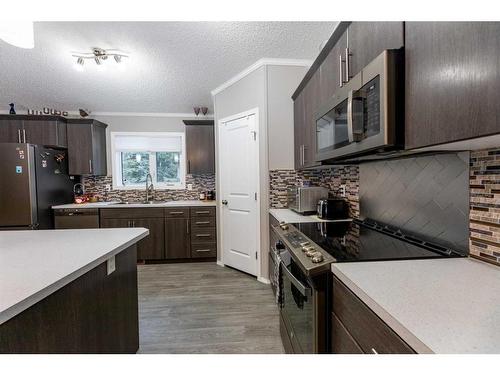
{"points": [[366, 113]]}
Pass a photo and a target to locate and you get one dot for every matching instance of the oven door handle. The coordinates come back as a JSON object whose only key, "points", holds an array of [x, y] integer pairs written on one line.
{"points": [[304, 290]]}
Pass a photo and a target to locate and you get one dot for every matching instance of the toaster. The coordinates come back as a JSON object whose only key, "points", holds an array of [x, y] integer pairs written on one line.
{"points": [[303, 200], [332, 209]]}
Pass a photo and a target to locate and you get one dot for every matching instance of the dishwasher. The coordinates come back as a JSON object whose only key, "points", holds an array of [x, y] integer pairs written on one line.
{"points": [[76, 218]]}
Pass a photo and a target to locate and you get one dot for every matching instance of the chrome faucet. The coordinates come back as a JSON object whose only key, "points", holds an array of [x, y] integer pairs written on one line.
{"points": [[149, 188]]}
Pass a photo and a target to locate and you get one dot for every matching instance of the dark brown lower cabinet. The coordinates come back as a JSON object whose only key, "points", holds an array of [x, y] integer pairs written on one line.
{"points": [[174, 233], [153, 246], [177, 243], [150, 248], [355, 327]]}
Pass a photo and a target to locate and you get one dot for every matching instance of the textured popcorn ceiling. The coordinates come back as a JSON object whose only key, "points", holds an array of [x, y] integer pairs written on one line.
{"points": [[173, 65]]}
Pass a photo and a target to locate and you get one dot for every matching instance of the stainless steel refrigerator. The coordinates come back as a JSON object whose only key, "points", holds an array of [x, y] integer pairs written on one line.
{"points": [[32, 180]]}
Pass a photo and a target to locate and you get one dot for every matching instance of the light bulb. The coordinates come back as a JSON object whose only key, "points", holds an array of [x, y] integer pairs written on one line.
{"points": [[19, 33]]}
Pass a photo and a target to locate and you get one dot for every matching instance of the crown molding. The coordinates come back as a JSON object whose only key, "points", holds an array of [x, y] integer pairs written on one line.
{"points": [[135, 114], [257, 65], [153, 114]]}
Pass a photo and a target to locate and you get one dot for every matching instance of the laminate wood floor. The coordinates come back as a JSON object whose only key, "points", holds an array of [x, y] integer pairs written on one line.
{"points": [[205, 308]]}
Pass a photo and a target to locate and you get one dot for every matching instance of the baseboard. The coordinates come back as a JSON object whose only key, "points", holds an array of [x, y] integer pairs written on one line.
{"points": [[219, 263], [263, 280]]}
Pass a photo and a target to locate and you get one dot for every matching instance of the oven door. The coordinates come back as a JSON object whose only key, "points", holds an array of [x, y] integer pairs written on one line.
{"points": [[298, 308]]}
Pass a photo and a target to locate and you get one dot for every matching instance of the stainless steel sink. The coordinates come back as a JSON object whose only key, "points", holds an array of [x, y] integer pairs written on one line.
{"points": [[141, 202]]}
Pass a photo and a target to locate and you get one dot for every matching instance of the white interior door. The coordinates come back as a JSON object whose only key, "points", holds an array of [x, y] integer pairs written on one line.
{"points": [[238, 169]]}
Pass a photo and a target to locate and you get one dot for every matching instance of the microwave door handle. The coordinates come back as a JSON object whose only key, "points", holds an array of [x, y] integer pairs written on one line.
{"points": [[304, 290], [350, 131]]}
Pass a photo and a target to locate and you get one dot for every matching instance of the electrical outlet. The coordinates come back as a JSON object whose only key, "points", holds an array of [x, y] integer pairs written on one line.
{"points": [[342, 190], [111, 263], [190, 186]]}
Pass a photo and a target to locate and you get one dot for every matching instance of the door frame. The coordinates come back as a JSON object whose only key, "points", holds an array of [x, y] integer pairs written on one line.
{"points": [[220, 232]]}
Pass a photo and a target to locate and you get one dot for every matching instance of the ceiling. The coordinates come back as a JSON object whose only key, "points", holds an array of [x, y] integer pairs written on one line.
{"points": [[173, 65]]}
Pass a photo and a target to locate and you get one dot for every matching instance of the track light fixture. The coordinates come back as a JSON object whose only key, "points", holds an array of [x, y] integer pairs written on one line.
{"points": [[99, 55]]}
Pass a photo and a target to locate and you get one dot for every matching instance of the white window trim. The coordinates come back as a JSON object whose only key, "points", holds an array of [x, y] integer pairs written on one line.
{"points": [[116, 172]]}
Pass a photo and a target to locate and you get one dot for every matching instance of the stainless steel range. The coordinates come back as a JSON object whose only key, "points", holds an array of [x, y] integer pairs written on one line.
{"points": [[306, 252]]}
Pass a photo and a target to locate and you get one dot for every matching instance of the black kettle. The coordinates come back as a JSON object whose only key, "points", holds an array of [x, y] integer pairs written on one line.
{"points": [[333, 209]]}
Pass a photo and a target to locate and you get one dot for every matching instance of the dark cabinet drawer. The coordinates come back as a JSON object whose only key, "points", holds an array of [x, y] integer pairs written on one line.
{"points": [[204, 250], [180, 212], [131, 213], [342, 341], [364, 326], [203, 235], [202, 211], [203, 222]]}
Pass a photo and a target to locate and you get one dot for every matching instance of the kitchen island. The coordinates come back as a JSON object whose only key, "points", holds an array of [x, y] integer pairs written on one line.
{"points": [[69, 291]]}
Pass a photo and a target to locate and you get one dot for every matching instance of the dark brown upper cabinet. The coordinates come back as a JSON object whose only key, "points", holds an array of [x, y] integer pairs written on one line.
{"points": [[452, 81], [87, 147], [305, 106], [200, 146], [367, 40], [39, 130], [332, 70]]}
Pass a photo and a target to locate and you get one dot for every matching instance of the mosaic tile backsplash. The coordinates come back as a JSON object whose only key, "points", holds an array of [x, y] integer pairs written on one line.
{"points": [[485, 205], [97, 185], [331, 178]]}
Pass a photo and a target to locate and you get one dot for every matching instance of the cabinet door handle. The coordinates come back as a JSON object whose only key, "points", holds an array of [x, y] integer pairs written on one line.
{"points": [[176, 212], [347, 63], [374, 351], [187, 227], [202, 212], [189, 166], [90, 166], [203, 235], [341, 71], [19, 136], [128, 224], [24, 136], [203, 250], [202, 222]]}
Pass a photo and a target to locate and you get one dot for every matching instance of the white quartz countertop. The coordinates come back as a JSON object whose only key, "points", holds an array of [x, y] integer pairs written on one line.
{"points": [[190, 203], [34, 264], [435, 305], [289, 216]]}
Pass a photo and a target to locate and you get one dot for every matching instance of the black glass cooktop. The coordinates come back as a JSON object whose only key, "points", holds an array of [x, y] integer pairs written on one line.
{"points": [[368, 241]]}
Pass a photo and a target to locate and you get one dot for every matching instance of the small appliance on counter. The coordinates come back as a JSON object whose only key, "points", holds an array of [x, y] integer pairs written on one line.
{"points": [[79, 193], [304, 200], [333, 209]]}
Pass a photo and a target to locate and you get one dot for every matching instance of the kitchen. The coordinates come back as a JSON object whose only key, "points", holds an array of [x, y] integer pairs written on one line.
{"points": [[332, 194]]}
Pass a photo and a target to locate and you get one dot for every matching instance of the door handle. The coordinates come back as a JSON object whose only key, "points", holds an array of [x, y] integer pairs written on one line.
{"points": [[224, 202], [19, 135], [24, 135], [189, 166], [304, 290], [350, 133], [90, 166], [348, 54], [341, 71]]}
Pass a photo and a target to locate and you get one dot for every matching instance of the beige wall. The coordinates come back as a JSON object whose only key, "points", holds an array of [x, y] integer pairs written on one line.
{"points": [[268, 88]]}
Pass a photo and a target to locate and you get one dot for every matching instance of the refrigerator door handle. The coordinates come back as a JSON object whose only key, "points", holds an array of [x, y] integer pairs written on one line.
{"points": [[24, 136], [19, 136]]}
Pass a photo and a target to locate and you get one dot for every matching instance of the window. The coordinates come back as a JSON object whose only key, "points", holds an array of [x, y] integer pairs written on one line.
{"points": [[137, 154]]}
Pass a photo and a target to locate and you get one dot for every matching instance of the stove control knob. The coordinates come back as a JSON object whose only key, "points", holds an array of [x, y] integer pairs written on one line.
{"points": [[284, 225], [318, 258], [304, 244], [305, 249], [311, 253]]}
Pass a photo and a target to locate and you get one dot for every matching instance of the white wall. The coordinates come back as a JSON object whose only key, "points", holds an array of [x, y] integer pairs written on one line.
{"points": [[139, 124]]}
